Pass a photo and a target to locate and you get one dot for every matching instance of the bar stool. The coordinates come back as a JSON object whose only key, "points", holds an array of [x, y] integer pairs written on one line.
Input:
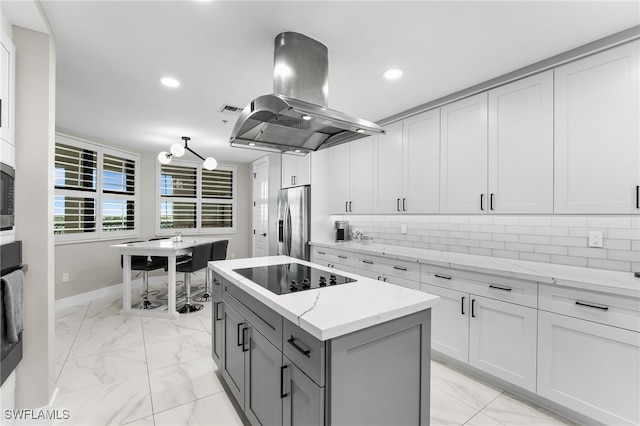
{"points": [[218, 252], [199, 258], [144, 264]]}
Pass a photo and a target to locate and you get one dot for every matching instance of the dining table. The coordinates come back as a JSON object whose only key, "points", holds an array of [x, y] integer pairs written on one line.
{"points": [[170, 248]]}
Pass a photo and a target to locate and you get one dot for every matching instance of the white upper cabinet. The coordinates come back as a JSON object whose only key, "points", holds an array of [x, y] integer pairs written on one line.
{"points": [[296, 170], [407, 162], [463, 156], [597, 133], [361, 175], [388, 177], [421, 171], [7, 89], [351, 176], [521, 146]]}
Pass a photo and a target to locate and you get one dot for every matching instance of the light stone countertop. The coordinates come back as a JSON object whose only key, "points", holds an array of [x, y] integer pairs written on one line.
{"points": [[330, 312], [613, 282]]}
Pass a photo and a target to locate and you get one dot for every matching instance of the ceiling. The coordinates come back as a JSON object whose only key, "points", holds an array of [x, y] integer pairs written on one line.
{"points": [[112, 54]]}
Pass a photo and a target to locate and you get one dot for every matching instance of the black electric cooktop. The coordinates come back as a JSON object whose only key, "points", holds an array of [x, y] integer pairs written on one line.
{"points": [[291, 277]]}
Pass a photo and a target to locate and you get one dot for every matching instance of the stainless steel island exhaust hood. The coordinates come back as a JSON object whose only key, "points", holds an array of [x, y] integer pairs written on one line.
{"points": [[295, 117]]}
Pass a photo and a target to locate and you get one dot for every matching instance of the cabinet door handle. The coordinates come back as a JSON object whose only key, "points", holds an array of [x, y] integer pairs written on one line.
{"points": [[404, 204], [379, 276], [442, 276], [244, 341], [637, 196], [350, 209], [384, 279], [491, 202], [368, 262], [282, 394], [592, 305], [400, 268], [346, 206], [216, 282], [473, 308], [497, 287], [482, 202], [462, 305], [217, 310], [292, 342], [398, 204], [240, 342]]}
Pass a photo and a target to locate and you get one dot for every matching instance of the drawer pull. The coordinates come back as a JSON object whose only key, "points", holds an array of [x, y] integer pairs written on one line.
{"points": [[400, 268], [442, 276], [240, 342], [497, 287], [592, 305], [292, 342], [368, 262], [342, 257], [243, 339], [282, 394], [321, 252], [216, 282]]}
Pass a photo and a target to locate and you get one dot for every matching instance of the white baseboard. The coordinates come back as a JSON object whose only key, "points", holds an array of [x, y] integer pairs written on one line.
{"points": [[83, 298]]}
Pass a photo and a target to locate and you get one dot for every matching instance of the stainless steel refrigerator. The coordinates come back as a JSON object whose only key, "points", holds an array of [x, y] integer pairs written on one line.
{"points": [[294, 225]]}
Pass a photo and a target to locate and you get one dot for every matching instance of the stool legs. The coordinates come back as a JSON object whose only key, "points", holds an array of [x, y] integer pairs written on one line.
{"points": [[146, 303], [206, 296], [189, 307]]}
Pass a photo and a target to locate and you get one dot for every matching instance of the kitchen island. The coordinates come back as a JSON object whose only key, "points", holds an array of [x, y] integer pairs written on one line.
{"points": [[352, 353]]}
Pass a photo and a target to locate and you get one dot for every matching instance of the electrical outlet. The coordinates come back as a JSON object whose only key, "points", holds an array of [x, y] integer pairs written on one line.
{"points": [[403, 228], [65, 277], [595, 238]]}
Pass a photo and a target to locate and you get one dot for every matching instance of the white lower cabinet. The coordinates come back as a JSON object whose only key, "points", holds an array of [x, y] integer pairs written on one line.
{"points": [[589, 367], [502, 340], [494, 336]]}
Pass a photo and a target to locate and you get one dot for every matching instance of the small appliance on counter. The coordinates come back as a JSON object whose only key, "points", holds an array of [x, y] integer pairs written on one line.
{"points": [[341, 230]]}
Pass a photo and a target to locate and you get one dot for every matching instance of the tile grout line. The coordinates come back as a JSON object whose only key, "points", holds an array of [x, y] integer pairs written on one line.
{"points": [[75, 337], [146, 361]]}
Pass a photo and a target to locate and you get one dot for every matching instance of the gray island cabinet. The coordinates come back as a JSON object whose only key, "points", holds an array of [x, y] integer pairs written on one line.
{"points": [[352, 354]]}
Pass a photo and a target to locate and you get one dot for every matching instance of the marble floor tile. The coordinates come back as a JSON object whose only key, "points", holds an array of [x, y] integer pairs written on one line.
{"points": [[164, 353], [161, 329], [481, 419], [447, 410], [62, 344], [92, 344], [73, 313], [102, 323], [118, 402], [147, 421], [102, 368], [509, 410], [466, 388], [185, 382], [214, 410]]}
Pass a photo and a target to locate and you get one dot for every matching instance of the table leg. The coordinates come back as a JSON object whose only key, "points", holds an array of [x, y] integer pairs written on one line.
{"points": [[126, 282], [171, 283]]}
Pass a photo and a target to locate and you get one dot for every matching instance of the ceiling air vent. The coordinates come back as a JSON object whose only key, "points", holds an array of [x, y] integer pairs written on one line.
{"points": [[230, 109]]}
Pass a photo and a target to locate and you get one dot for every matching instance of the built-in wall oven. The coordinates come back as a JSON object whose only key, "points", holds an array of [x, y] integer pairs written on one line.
{"points": [[8, 174]]}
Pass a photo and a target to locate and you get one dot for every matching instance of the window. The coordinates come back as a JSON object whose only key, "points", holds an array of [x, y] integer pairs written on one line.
{"points": [[196, 200], [95, 191]]}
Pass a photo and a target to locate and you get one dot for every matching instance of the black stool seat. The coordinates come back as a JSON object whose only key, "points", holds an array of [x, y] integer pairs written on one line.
{"points": [[218, 252], [199, 258], [145, 264]]}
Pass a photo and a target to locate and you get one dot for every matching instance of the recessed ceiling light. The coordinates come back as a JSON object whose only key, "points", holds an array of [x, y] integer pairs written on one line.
{"points": [[392, 74], [252, 144], [306, 117], [360, 130], [169, 82]]}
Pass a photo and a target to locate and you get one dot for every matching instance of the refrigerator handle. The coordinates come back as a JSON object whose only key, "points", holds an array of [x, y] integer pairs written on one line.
{"points": [[281, 231], [289, 231]]}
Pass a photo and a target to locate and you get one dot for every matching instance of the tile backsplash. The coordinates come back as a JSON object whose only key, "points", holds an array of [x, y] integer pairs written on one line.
{"points": [[550, 239]]}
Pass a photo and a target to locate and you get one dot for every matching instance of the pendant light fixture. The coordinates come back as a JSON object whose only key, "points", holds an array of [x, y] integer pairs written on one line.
{"points": [[178, 150]]}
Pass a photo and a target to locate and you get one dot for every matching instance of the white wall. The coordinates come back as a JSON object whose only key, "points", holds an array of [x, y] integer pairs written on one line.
{"points": [[34, 137], [94, 265]]}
